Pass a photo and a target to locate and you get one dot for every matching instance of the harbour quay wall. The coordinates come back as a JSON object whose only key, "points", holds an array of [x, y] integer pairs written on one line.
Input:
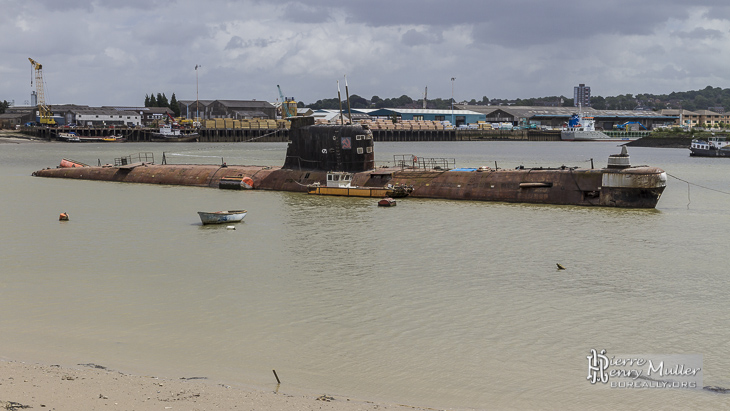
{"points": [[146, 134], [235, 135], [465, 135]]}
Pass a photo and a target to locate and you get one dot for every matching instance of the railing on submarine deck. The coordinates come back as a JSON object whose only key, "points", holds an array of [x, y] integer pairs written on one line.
{"points": [[143, 157], [410, 161]]}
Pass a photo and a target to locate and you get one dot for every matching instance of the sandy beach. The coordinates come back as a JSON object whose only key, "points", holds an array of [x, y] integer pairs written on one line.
{"points": [[13, 136], [94, 387]]}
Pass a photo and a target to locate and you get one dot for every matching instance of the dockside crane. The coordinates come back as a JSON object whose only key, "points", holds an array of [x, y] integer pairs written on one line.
{"points": [[288, 105], [44, 112]]}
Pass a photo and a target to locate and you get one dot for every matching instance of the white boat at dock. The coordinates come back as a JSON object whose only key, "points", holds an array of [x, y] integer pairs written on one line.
{"points": [[170, 133], [69, 137], [220, 217], [582, 128]]}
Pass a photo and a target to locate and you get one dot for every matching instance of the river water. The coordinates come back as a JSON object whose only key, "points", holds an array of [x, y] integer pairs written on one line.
{"points": [[448, 304]]}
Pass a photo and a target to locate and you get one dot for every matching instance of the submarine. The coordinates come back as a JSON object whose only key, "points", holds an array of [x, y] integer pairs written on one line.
{"points": [[316, 150]]}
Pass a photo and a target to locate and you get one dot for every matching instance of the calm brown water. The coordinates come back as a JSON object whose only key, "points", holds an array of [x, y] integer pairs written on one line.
{"points": [[435, 303]]}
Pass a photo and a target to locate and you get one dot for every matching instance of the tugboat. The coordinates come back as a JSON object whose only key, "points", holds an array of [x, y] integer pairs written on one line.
{"points": [[713, 147], [170, 134]]}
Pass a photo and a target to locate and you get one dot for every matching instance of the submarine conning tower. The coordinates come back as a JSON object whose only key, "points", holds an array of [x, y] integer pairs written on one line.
{"points": [[329, 147], [619, 161]]}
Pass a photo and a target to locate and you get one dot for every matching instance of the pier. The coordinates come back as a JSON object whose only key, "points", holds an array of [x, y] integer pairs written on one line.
{"points": [[236, 135]]}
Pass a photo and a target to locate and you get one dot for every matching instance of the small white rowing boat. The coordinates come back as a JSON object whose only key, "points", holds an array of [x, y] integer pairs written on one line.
{"points": [[220, 217]]}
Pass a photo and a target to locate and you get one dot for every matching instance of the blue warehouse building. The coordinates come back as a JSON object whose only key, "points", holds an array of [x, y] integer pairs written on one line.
{"points": [[456, 117]]}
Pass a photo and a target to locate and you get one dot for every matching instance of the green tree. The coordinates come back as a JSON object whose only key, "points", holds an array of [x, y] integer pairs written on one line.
{"points": [[162, 100], [440, 104], [329, 103], [174, 105], [146, 100], [153, 101], [703, 103], [4, 106], [358, 102]]}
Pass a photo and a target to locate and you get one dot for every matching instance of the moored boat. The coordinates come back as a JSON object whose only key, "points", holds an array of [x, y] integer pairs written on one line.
{"points": [[582, 128], [170, 134], [715, 146], [220, 217], [339, 183], [69, 137]]}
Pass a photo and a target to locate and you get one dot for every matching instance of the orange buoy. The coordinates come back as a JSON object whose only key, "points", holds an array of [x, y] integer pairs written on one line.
{"points": [[247, 183], [63, 217]]}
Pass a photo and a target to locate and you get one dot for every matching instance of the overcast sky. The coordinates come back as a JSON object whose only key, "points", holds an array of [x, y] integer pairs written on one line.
{"points": [[99, 52]]}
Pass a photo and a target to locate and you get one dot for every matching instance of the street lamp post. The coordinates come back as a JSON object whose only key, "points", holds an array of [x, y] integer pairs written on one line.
{"points": [[453, 124], [197, 101]]}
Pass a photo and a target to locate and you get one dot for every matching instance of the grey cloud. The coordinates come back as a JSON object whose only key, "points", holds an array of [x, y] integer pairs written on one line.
{"points": [[160, 31], [413, 37], [519, 22], [237, 42], [700, 34], [544, 23], [65, 5], [716, 9], [300, 13]]}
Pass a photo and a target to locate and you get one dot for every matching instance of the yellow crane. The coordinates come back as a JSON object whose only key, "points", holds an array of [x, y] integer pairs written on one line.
{"points": [[44, 112]]}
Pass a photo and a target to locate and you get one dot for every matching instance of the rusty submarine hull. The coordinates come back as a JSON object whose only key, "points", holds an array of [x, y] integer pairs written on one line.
{"points": [[315, 150]]}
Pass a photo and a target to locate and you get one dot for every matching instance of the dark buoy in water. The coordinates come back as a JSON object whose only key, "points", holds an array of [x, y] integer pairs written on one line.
{"points": [[63, 217], [560, 267]]}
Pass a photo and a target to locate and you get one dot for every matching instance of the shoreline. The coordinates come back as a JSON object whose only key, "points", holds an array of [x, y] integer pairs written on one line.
{"points": [[14, 137], [91, 386]]}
